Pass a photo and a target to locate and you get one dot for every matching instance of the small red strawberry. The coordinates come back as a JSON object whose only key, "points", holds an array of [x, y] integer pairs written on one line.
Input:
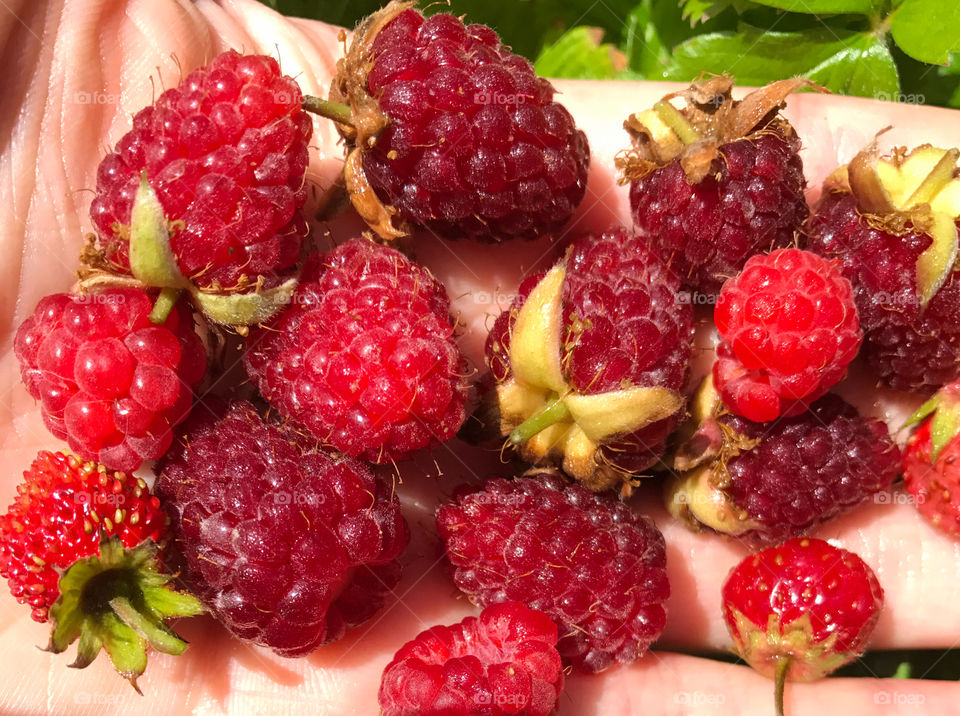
{"points": [[788, 329], [447, 128], [210, 180], [801, 610], [717, 181], [892, 223], [931, 460], [503, 662], [80, 544]]}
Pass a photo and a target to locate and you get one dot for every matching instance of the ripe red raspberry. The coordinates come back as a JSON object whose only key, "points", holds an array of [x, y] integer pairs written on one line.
{"points": [[287, 545], [801, 610], [896, 237], [365, 356], [503, 662], [110, 382], [767, 482], [789, 329], [76, 538], [226, 153], [716, 182], [597, 569], [448, 129], [590, 358], [931, 460]]}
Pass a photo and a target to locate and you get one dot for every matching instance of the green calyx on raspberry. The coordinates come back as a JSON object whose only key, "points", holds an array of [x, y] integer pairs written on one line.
{"points": [[908, 192], [694, 135], [118, 601], [153, 264], [545, 416], [944, 407], [696, 494]]}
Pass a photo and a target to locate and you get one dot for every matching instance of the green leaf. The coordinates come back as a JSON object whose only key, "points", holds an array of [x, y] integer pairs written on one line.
{"points": [[151, 258], [927, 30], [844, 62], [580, 54], [696, 11], [645, 50], [826, 7]]}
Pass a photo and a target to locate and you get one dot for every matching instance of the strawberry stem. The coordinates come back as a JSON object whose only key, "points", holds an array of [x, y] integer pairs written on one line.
{"points": [[553, 412], [674, 119], [164, 304], [331, 110], [779, 680]]}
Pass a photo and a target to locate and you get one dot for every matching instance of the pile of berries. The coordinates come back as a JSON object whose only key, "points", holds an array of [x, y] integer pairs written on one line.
{"points": [[271, 512]]}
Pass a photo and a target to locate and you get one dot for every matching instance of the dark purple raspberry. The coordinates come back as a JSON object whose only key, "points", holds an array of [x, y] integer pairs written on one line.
{"points": [[287, 545], [625, 325], [584, 559], [110, 382], [767, 482], [365, 356], [731, 189], [226, 153], [503, 662], [468, 140], [910, 346]]}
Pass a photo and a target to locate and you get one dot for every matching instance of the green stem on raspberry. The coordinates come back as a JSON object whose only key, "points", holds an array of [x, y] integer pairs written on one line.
{"points": [[165, 303], [937, 179], [779, 680], [331, 110], [554, 412], [674, 119]]}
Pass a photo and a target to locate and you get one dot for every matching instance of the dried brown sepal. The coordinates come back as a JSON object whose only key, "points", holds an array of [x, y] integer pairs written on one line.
{"points": [[349, 87], [712, 118]]}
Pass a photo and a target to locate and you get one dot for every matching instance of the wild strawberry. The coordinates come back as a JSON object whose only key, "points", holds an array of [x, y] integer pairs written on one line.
{"points": [[800, 610], [892, 222], [79, 544], [590, 359], [287, 545], [597, 569], [109, 381], [503, 662], [767, 482], [717, 181], [448, 129], [931, 460], [365, 357], [789, 330]]}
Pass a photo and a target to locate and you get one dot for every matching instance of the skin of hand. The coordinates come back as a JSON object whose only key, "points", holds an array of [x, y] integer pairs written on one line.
{"points": [[75, 74]]}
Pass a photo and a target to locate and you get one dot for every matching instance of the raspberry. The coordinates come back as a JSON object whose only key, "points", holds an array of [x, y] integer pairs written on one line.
{"points": [[76, 538], [789, 329], [905, 278], [801, 610], [767, 482], [226, 153], [712, 192], [590, 358], [586, 560], [365, 356], [931, 460], [450, 130], [110, 382], [287, 545], [503, 662]]}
